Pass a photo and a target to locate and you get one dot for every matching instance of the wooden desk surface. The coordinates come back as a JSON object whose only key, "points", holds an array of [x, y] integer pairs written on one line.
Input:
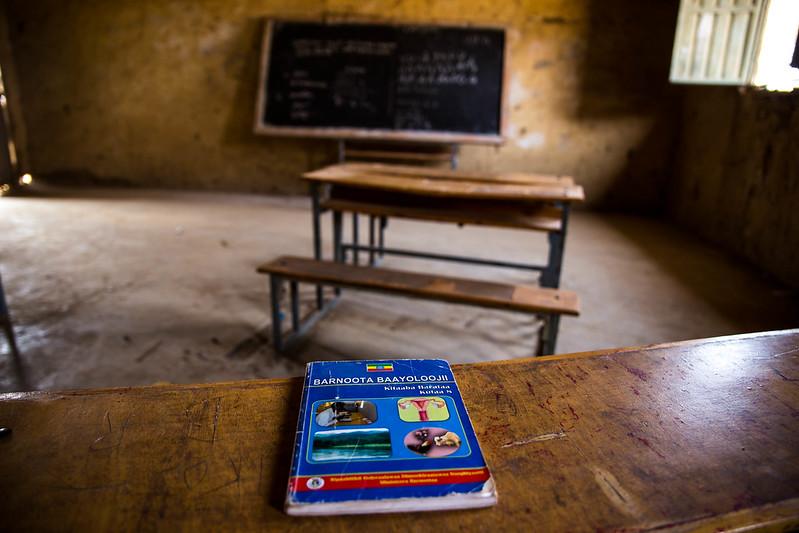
{"points": [[696, 435], [418, 171], [450, 183]]}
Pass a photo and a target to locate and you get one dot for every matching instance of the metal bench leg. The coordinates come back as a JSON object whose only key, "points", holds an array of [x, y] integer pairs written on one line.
{"points": [[287, 341], [372, 240], [550, 276], [275, 283], [548, 337], [381, 238], [295, 305], [317, 237], [355, 238], [338, 250]]}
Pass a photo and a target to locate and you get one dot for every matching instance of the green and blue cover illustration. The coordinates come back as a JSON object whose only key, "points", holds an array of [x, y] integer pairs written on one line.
{"points": [[384, 430]]}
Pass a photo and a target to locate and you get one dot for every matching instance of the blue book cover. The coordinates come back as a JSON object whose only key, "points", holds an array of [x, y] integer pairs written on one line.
{"points": [[385, 436]]}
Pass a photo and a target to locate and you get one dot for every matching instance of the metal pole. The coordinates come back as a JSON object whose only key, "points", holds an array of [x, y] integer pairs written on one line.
{"points": [[317, 237], [338, 250], [274, 297], [381, 239], [551, 334], [550, 277], [372, 221], [295, 305], [447, 257], [542, 335], [355, 238]]}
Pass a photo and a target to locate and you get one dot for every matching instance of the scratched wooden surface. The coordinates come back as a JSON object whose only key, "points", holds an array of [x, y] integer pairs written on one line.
{"points": [[698, 435], [525, 178]]}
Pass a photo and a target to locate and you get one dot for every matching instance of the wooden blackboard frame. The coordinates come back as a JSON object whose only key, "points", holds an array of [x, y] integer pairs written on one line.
{"points": [[375, 134]]}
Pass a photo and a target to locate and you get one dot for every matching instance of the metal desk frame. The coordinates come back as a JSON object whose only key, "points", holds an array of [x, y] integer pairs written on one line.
{"points": [[550, 273]]}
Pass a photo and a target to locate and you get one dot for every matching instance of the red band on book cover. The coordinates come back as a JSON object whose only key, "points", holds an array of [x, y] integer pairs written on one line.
{"points": [[388, 479]]}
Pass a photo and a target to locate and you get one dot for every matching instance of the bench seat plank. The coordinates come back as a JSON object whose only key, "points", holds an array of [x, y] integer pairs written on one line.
{"points": [[443, 288]]}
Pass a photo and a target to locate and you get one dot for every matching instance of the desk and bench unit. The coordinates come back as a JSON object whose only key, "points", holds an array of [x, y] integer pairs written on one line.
{"points": [[506, 200], [425, 86], [688, 436]]}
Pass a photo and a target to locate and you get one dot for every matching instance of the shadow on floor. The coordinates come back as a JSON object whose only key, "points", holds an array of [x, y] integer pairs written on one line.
{"points": [[713, 274]]}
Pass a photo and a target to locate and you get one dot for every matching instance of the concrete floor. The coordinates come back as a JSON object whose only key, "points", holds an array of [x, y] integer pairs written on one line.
{"points": [[115, 288]]}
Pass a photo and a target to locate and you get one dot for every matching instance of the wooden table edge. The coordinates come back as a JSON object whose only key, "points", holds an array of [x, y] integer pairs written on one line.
{"points": [[157, 387], [781, 515], [413, 171], [571, 193], [643, 347], [273, 382]]}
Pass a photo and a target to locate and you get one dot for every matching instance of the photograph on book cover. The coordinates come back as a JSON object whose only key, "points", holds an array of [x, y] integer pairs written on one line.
{"points": [[349, 413], [347, 444], [432, 442], [429, 409], [398, 421]]}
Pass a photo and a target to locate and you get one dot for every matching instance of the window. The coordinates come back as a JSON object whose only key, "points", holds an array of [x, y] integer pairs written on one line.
{"points": [[736, 42]]}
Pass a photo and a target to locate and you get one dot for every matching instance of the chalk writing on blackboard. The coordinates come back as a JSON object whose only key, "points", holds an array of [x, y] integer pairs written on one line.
{"points": [[387, 79], [438, 68], [329, 47]]}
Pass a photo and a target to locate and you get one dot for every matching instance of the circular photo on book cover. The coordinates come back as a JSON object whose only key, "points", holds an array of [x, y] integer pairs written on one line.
{"points": [[430, 409], [432, 442]]}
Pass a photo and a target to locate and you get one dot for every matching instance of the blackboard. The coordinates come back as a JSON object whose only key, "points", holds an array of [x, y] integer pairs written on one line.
{"points": [[382, 81]]}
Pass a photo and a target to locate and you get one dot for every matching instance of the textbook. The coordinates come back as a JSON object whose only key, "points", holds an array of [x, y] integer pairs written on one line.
{"points": [[385, 436]]}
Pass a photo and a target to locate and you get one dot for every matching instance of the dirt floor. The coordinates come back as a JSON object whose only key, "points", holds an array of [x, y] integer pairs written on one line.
{"points": [[115, 288]]}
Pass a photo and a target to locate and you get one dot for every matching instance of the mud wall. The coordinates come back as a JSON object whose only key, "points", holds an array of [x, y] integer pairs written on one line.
{"points": [[161, 93]]}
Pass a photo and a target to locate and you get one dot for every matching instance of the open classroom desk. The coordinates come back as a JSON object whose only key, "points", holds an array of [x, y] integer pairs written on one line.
{"points": [[515, 200], [695, 435]]}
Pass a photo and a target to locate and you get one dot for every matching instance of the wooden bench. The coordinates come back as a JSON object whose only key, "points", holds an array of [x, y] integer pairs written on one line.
{"points": [[550, 303]]}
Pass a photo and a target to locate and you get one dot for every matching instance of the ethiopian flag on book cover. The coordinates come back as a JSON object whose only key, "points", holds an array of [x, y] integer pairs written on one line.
{"points": [[380, 367]]}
